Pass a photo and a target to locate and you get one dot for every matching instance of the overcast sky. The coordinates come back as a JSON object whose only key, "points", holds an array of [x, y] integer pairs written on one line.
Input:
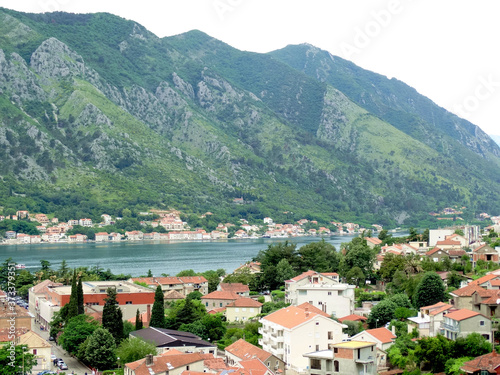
{"points": [[448, 50]]}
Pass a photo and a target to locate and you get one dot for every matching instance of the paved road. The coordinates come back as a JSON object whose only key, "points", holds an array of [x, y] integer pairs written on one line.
{"points": [[73, 364]]}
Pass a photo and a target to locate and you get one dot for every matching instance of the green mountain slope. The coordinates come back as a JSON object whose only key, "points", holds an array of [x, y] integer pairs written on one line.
{"points": [[98, 114]]}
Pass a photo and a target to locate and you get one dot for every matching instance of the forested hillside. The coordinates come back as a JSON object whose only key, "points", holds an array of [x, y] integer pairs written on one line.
{"points": [[97, 114]]}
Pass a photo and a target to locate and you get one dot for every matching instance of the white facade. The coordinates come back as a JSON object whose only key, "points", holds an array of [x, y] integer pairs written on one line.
{"points": [[321, 291], [288, 341]]}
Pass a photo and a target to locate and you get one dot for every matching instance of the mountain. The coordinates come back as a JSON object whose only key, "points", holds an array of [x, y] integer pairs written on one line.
{"points": [[98, 114]]}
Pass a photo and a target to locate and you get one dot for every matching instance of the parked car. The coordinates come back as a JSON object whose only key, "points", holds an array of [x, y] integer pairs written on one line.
{"points": [[63, 366], [57, 361]]}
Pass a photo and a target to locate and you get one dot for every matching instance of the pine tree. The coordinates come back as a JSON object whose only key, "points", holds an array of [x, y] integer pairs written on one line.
{"points": [[158, 310], [112, 318], [79, 290], [138, 321], [73, 299]]}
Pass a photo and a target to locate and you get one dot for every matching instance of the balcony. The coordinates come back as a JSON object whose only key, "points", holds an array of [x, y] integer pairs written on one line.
{"points": [[449, 327], [366, 360]]}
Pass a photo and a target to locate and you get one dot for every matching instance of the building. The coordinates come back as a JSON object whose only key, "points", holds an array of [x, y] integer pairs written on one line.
{"points": [[166, 339], [291, 332], [50, 297], [462, 322], [322, 290], [238, 288], [173, 364], [484, 252], [383, 339], [372, 242], [435, 314], [483, 365], [346, 358], [23, 319], [218, 299], [242, 309], [39, 347], [184, 284], [242, 350]]}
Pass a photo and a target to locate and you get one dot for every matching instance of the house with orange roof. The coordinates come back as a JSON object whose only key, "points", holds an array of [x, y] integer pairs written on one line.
{"points": [[218, 299], [437, 254], [173, 364], [255, 367], [241, 350], [242, 309], [484, 280], [461, 323], [457, 237], [346, 358], [353, 318], [291, 332], [383, 339], [372, 242], [436, 315], [484, 252], [181, 284], [449, 244], [463, 297], [483, 365], [323, 290], [238, 288], [252, 267], [39, 347]]}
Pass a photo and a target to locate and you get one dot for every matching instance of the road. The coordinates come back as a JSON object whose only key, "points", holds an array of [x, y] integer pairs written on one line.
{"points": [[73, 364]]}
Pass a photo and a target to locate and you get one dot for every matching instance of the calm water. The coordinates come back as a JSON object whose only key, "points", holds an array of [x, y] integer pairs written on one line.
{"points": [[136, 258]]}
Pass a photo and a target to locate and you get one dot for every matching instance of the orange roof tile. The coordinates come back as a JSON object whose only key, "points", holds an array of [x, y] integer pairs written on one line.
{"points": [[467, 291], [462, 314], [483, 279], [436, 249], [163, 363], [245, 350], [382, 334], [373, 240], [219, 294], [245, 302], [306, 306], [234, 287], [448, 242], [353, 317], [290, 317], [488, 362]]}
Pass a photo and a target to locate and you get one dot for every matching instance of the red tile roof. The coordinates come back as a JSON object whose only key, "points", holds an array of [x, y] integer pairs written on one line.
{"points": [[483, 279], [448, 242], [234, 287], [353, 317], [489, 362], [164, 363], [468, 290], [292, 316], [245, 350], [373, 240], [436, 249], [306, 306], [462, 314], [245, 302], [254, 366], [381, 334], [219, 294]]}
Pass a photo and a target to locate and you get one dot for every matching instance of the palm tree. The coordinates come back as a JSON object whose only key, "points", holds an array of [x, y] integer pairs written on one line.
{"points": [[412, 265]]}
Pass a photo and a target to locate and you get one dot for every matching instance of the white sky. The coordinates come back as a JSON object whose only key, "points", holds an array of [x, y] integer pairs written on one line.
{"points": [[448, 50]]}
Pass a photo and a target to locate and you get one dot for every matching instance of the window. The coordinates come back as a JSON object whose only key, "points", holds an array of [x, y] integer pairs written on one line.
{"points": [[335, 350], [34, 351], [206, 304], [187, 368], [315, 364], [336, 366], [128, 302], [220, 304], [330, 335], [329, 293], [481, 322], [317, 323], [317, 348]]}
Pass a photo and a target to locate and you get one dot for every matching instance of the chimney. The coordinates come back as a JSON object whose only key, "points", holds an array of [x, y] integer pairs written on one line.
{"points": [[149, 360], [393, 330]]}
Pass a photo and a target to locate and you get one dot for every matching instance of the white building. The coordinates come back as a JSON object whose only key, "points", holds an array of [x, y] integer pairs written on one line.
{"points": [[322, 290], [291, 332]]}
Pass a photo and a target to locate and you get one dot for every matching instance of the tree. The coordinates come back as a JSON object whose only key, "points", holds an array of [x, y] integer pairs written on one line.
{"points": [[23, 360], [210, 327], [100, 351], [391, 264], [355, 276], [319, 256], [433, 352], [357, 254], [284, 271], [138, 321], [73, 299], [133, 349], [45, 265], [158, 310], [79, 295], [382, 313], [429, 291], [112, 317], [76, 332], [353, 327]]}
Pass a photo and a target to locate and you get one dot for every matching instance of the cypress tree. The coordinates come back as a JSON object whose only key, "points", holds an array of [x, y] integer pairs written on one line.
{"points": [[112, 318], [138, 321], [79, 290], [73, 299], [158, 310]]}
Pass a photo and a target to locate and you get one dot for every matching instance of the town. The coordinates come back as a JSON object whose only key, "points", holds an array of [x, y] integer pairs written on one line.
{"points": [[371, 308], [170, 228]]}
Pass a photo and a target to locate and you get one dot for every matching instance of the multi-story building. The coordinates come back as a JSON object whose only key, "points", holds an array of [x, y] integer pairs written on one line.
{"points": [[346, 358], [45, 300], [238, 288], [291, 332], [182, 284], [462, 322], [173, 364], [242, 309], [218, 299], [322, 290], [242, 350]]}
